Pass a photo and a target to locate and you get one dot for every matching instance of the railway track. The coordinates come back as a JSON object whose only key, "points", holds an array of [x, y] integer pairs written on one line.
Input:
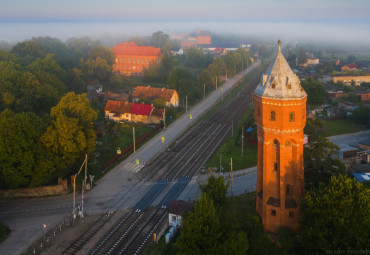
{"points": [[133, 232]]}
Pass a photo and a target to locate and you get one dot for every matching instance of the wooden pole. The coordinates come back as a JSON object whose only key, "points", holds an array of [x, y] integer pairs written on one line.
{"points": [[242, 140], [204, 90], [216, 82], [231, 176], [133, 133], [74, 199]]}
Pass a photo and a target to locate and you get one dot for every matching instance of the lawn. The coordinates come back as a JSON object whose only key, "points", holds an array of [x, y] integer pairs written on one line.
{"points": [[338, 127], [120, 136], [232, 148]]}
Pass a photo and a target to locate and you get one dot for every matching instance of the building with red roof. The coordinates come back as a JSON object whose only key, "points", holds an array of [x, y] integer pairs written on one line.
{"points": [[349, 67], [131, 112], [132, 60], [169, 95]]}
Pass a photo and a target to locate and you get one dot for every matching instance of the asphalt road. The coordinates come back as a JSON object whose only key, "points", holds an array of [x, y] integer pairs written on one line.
{"points": [[120, 187]]}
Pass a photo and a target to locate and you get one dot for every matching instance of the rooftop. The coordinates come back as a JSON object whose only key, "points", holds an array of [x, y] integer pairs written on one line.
{"points": [[131, 48], [279, 82]]}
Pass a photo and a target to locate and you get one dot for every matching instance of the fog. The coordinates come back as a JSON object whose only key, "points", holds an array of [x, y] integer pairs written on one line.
{"points": [[354, 33]]}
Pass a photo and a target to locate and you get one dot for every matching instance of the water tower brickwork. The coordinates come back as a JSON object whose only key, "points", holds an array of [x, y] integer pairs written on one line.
{"points": [[280, 115]]}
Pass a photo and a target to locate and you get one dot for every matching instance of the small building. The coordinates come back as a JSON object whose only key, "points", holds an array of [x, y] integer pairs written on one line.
{"points": [[311, 60], [176, 209], [357, 80], [350, 67], [347, 151], [116, 96], [362, 177], [363, 96], [365, 144], [169, 95], [94, 90], [337, 94], [118, 111]]}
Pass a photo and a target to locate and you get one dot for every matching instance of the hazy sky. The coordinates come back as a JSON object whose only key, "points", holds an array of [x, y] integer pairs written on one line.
{"points": [[305, 17], [202, 10]]}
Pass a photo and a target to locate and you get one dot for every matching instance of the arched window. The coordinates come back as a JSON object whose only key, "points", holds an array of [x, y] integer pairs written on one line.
{"points": [[272, 116], [291, 116]]}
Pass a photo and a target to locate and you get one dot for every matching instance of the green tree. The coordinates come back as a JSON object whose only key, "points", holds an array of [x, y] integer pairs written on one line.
{"points": [[319, 163], [200, 231], [27, 51], [316, 92], [22, 155], [182, 81], [71, 132], [336, 217], [216, 190], [232, 61], [361, 115], [159, 103], [159, 39]]}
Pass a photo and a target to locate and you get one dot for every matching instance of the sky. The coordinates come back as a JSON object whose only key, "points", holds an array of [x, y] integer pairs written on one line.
{"points": [[315, 18]]}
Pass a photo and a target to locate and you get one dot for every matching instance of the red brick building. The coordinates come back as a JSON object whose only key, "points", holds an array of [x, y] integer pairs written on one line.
{"points": [[280, 115], [132, 60]]}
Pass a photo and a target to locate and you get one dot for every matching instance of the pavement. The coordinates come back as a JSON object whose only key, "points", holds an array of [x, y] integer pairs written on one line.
{"points": [[119, 188]]}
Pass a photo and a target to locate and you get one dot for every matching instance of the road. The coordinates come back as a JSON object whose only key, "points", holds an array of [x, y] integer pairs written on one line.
{"points": [[25, 217]]}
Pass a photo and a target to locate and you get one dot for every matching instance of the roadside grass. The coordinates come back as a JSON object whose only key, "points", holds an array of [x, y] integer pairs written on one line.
{"points": [[338, 127], [3, 232], [118, 136], [232, 148]]}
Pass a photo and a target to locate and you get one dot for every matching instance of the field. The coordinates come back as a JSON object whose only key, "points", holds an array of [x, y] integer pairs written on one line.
{"points": [[338, 127]]}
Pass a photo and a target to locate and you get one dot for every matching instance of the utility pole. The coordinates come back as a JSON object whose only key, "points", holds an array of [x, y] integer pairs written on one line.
{"points": [[83, 187], [133, 134], [74, 198], [220, 162], [231, 176], [186, 103], [164, 119], [204, 90], [216, 82], [232, 128], [242, 139], [74, 187]]}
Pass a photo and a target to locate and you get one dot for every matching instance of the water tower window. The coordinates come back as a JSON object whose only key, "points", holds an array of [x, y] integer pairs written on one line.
{"points": [[291, 215], [291, 116], [273, 212], [273, 85], [272, 117], [289, 86]]}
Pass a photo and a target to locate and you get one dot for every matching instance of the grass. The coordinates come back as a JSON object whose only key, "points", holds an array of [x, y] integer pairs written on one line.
{"points": [[232, 148], [338, 127], [3, 232], [118, 136]]}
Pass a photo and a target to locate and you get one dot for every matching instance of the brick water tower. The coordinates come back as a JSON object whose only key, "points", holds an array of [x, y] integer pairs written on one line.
{"points": [[280, 115]]}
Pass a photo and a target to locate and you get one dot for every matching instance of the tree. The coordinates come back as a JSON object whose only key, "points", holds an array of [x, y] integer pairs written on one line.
{"points": [[182, 81], [336, 217], [361, 115], [301, 56], [210, 228], [22, 156], [159, 103], [314, 129], [159, 39], [232, 61], [99, 63], [201, 229], [316, 92], [216, 190], [71, 132], [319, 163]]}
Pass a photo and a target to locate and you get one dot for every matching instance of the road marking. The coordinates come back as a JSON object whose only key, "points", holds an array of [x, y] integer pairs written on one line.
{"points": [[133, 167]]}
